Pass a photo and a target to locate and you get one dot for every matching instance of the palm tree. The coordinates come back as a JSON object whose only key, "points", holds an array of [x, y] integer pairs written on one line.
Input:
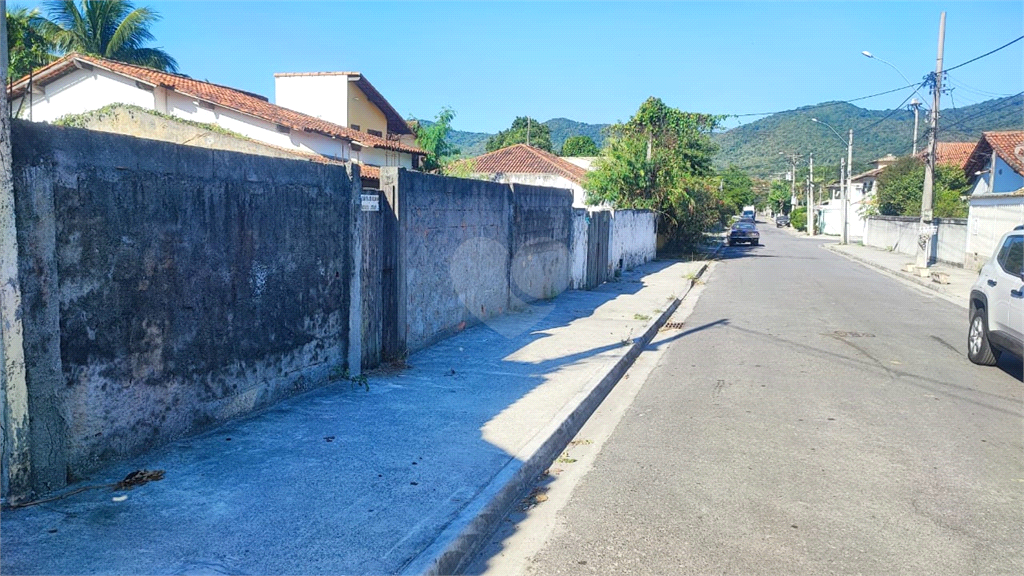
{"points": [[113, 29]]}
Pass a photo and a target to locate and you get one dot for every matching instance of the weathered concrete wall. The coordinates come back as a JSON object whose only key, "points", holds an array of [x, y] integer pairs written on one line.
{"points": [[470, 250], [454, 236], [900, 233], [634, 238], [168, 288], [951, 241], [541, 235], [895, 233], [578, 249]]}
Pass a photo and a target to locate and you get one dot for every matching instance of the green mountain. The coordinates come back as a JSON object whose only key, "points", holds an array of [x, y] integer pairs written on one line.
{"points": [[475, 143], [563, 128], [756, 147]]}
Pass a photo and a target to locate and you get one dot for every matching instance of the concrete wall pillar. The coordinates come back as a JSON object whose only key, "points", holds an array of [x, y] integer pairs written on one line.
{"points": [[15, 463]]}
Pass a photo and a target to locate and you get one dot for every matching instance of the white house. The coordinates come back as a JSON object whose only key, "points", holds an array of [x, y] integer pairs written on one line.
{"points": [[996, 172], [333, 102], [524, 164]]}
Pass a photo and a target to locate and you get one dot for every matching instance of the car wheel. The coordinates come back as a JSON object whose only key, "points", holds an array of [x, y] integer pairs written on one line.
{"points": [[730, 242], [979, 350], [756, 242]]}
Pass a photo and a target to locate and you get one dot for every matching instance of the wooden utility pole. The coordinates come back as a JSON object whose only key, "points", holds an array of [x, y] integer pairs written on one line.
{"points": [[925, 233]]}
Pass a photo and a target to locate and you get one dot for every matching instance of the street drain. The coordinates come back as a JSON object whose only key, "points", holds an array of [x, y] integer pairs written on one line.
{"points": [[673, 326]]}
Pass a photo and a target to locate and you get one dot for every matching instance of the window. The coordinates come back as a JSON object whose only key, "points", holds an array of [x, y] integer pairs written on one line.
{"points": [[354, 127], [1011, 257], [376, 133]]}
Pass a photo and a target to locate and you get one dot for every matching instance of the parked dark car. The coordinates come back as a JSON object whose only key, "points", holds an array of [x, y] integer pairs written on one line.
{"points": [[781, 220], [744, 232]]}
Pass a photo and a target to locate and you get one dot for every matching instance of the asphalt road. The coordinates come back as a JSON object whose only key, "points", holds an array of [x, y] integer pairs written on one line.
{"points": [[811, 416]]}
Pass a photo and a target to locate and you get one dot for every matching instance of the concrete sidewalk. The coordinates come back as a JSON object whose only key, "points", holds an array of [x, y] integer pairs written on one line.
{"points": [[957, 288], [405, 477]]}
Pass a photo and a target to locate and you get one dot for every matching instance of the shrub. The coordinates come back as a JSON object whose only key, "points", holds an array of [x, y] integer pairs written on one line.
{"points": [[798, 219]]}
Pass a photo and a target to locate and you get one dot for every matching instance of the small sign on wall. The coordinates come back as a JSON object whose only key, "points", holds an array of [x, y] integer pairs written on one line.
{"points": [[370, 202]]}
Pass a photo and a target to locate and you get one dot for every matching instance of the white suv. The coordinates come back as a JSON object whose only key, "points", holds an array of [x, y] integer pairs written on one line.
{"points": [[997, 303]]}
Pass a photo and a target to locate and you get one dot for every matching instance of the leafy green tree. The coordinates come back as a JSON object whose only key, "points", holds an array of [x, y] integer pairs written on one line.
{"points": [[524, 130], [901, 184], [779, 196], [737, 188], [579, 146], [660, 160], [27, 48], [433, 139], [113, 29]]}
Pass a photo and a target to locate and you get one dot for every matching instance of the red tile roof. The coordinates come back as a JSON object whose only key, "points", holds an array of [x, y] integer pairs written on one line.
{"points": [[1007, 145], [244, 102], [523, 159], [954, 153]]}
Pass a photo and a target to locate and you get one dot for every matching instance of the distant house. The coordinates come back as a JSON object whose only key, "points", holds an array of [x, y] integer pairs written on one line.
{"points": [[523, 164], [861, 187], [951, 153], [995, 171], [77, 83]]}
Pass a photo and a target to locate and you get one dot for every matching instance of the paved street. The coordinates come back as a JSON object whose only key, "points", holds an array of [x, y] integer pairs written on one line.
{"points": [[811, 416]]}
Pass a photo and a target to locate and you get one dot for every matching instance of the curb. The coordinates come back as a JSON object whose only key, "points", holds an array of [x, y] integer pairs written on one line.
{"points": [[461, 539], [889, 272]]}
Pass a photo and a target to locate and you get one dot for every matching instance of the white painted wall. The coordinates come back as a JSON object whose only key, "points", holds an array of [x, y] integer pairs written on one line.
{"points": [[549, 180], [81, 91], [634, 238], [578, 249], [323, 96], [989, 218]]}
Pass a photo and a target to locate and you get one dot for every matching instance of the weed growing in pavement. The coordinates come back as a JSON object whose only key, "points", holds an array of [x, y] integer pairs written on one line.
{"points": [[643, 317], [338, 373]]}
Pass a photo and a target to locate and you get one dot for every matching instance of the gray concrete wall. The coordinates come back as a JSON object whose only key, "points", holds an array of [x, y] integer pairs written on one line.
{"points": [[541, 239], [169, 288], [470, 250], [454, 235], [900, 233]]}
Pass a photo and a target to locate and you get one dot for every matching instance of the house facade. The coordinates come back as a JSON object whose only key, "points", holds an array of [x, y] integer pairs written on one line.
{"points": [[996, 173], [76, 84], [524, 164]]}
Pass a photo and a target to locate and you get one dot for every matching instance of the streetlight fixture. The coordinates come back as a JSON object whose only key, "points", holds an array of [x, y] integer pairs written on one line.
{"points": [[845, 238], [915, 104]]}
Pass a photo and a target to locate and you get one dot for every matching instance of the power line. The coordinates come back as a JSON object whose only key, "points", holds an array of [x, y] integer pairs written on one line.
{"points": [[893, 111], [915, 86], [986, 54]]}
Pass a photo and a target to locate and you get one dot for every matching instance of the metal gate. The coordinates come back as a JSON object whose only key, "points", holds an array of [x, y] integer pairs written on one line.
{"points": [[598, 229]]}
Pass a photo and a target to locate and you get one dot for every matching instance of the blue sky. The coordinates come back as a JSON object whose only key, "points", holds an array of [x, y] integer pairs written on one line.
{"points": [[597, 61]]}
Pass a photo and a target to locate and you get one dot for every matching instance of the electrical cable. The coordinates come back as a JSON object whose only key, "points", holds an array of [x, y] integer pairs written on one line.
{"points": [[915, 86], [985, 54]]}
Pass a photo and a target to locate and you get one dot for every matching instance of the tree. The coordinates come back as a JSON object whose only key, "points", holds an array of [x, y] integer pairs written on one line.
{"points": [[579, 146], [779, 196], [27, 48], [737, 188], [901, 184], [524, 130], [660, 160], [113, 29], [433, 138]]}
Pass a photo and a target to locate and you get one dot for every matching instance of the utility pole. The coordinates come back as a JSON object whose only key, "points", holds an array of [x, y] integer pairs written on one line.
{"points": [[925, 233], [528, 130], [810, 197], [916, 105], [846, 189]]}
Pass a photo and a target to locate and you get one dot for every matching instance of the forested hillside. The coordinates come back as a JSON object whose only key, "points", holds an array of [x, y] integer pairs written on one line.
{"points": [[755, 147]]}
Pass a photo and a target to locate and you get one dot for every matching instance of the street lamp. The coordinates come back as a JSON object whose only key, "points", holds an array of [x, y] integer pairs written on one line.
{"points": [[845, 238], [915, 104]]}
